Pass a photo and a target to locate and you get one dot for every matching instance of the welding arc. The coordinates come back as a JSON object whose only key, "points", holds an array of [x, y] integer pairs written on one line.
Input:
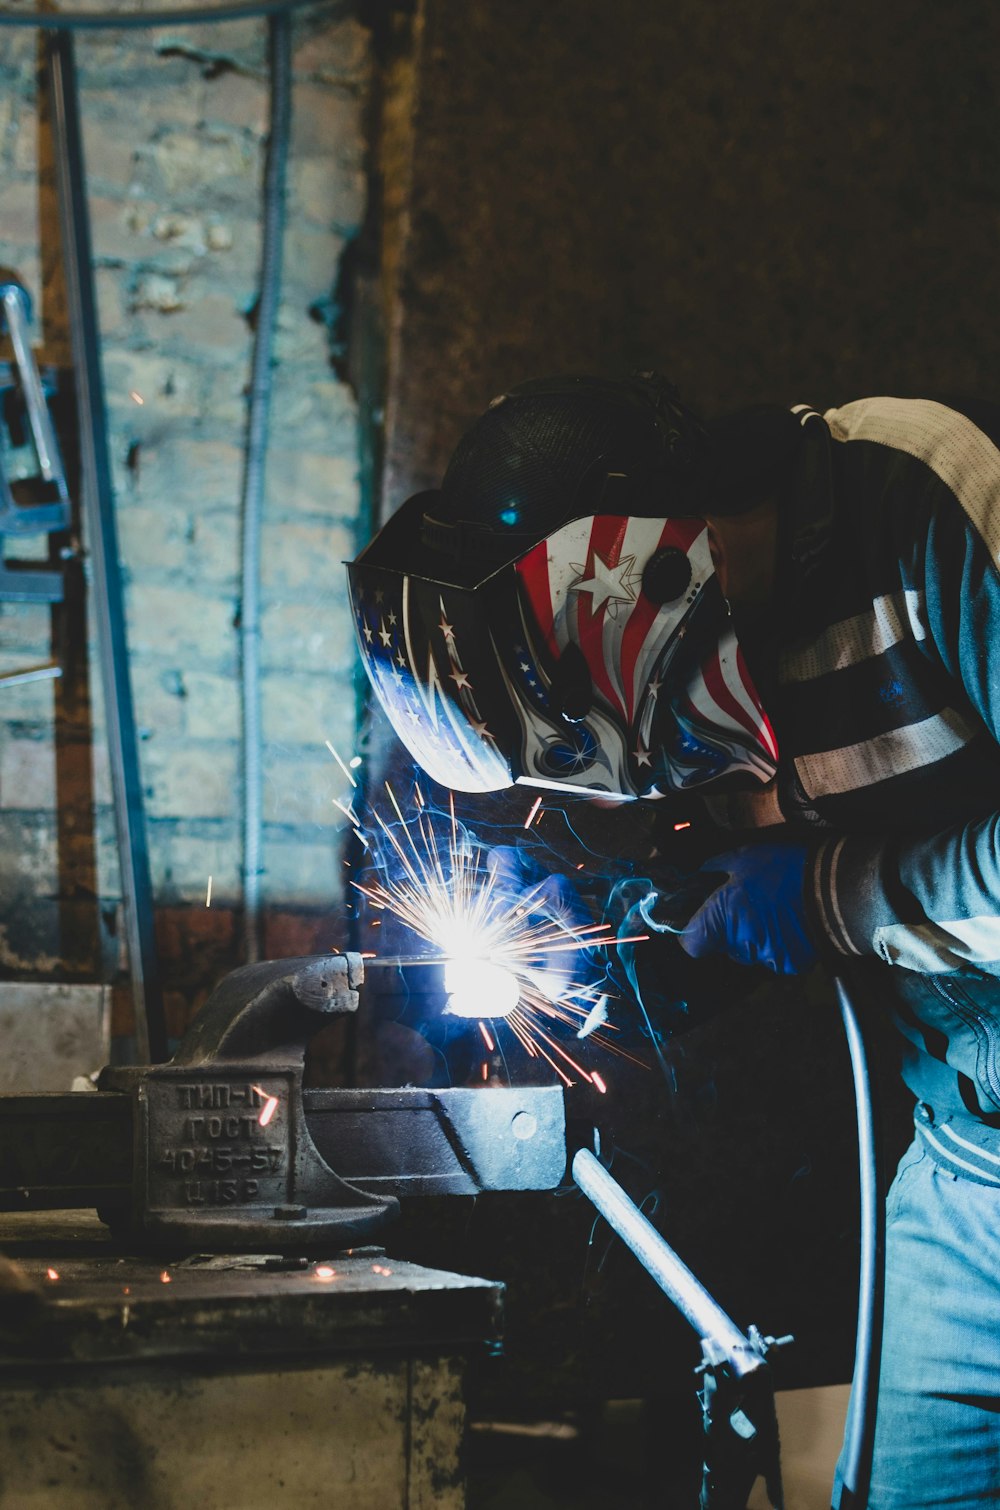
{"points": [[439, 886]]}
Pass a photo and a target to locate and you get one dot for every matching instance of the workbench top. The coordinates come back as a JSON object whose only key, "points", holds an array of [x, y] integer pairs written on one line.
{"points": [[69, 1295]]}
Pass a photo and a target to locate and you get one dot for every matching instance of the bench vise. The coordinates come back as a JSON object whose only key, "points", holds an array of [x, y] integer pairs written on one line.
{"points": [[223, 1149]]}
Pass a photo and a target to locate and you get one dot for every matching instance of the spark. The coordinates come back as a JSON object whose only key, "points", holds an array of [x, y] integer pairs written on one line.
{"points": [[354, 762], [598, 1082], [208, 893], [324, 1273], [348, 813], [679, 826], [380, 1269], [534, 809], [506, 958], [52, 1274], [136, 398], [269, 1108], [486, 1070], [165, 1277], [596, 1017], [346, 769]]}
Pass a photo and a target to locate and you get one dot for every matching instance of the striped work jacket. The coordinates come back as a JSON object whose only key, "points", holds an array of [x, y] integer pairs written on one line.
{"points": [[887, 714]]}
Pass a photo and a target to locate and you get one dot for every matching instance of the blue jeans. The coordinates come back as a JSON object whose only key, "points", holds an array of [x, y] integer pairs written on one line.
{"points": [[937, 1431]]}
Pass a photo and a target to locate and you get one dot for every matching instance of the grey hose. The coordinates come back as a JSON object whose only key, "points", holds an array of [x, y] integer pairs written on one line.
{"points": [[860, 1440], [253, 478]]}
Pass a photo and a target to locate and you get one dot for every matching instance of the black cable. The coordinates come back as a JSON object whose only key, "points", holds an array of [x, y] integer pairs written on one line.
{"points": [[92, 20], [253, 476]]}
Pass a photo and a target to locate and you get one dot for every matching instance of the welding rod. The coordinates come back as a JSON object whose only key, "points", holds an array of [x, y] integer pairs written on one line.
{"points": [[659, 1260]]}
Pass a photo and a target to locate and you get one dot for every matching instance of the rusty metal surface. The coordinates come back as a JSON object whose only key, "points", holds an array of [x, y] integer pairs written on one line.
{"points": [[442, 1142], [90, 1304]]}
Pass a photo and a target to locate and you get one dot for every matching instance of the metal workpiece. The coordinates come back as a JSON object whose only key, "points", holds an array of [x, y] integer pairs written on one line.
{"points": [[442, 1142]]}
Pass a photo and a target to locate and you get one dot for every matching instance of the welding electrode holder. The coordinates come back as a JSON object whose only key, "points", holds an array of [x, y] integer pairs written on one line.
{"points": [[223, 1156]]}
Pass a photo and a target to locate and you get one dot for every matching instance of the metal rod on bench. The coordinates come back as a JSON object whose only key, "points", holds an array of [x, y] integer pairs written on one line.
{"points": [[98, 507]]}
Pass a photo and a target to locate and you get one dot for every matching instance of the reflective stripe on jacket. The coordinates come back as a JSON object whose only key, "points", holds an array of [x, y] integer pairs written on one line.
{"points": [[887, 712]]}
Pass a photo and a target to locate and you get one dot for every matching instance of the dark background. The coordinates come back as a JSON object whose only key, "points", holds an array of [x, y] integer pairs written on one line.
{"points": [[765, 201]]}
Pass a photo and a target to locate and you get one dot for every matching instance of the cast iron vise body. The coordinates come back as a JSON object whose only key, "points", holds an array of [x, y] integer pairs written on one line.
{"points": [[230, 1153]]}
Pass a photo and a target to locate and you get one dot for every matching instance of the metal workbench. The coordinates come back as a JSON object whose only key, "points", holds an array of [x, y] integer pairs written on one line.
{"points": [[220, 1380]]}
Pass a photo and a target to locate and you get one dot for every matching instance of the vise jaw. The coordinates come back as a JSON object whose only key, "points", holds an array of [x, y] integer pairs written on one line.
{"points": [[223, 1157]]}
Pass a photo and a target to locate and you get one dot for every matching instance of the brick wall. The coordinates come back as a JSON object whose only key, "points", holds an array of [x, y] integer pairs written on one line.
{"points": [[174, 135]]}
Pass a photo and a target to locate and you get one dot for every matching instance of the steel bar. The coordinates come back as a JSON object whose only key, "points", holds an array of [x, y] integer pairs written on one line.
{"points": [[48, 672], [673, 1276], [98, 507]]}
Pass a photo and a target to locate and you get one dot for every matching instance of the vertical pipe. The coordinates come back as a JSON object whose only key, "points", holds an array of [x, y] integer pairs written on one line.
{"points": [[253, 477], [102, 543]]}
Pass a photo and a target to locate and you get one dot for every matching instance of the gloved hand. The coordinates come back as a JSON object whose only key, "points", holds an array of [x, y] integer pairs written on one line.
{"points": [[757, 914], [548, 900]]}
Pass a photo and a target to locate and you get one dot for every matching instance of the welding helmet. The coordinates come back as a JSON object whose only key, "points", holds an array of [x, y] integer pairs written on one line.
{"points": [[551, 615]]}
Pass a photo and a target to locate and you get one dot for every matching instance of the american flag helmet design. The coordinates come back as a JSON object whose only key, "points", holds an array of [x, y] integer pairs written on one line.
{"points": [[467, 670]]}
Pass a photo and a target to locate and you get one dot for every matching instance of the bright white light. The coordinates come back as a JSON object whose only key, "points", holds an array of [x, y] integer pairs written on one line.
{"points": [[478, 989]]}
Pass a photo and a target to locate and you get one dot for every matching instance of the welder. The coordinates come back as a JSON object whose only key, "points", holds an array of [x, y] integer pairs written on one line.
{"points": [[796, 616]]}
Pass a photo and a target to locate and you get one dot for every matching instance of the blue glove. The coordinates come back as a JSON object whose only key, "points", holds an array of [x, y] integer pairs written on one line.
{"points": [[757, 914], [547, 899]]}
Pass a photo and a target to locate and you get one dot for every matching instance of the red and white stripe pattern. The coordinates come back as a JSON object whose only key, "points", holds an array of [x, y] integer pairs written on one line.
{"points": [[584, 586], [722, 697]]}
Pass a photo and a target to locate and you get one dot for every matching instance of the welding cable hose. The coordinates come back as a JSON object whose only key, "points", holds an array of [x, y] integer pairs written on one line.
{"points": [[860, 1440]]}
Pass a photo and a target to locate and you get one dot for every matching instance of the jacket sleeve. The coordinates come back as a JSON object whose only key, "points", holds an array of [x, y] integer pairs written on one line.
{"points": [[932, 904]]}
